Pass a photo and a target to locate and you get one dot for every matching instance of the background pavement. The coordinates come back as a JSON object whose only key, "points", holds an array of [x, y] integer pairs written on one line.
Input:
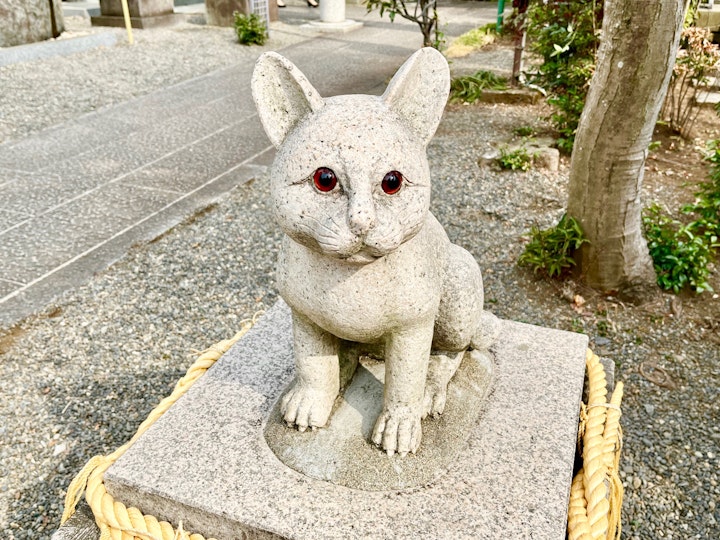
{"points": [[75, 197]]}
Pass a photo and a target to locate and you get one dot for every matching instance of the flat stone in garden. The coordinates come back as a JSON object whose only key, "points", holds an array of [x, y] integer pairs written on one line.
{"points": [[709, 99], [206, 461]]}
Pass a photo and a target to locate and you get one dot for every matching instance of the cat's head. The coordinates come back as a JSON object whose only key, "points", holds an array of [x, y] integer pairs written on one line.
{"points": [[351, 178]]}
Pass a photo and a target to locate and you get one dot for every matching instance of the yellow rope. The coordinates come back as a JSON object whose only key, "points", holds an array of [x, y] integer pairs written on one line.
{"points": [[596, 492], [116, 521]]}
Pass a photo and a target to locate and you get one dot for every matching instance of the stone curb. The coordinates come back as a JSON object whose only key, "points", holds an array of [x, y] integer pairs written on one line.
{"points": [[60, 47]]}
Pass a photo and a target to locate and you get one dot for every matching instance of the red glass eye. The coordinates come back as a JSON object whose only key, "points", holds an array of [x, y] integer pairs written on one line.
{"points": [[325, 179], [392, 182]]}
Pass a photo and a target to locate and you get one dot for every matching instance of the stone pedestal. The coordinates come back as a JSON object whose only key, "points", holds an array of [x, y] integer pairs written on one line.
{"points": [[206, 462], [143, 13]]}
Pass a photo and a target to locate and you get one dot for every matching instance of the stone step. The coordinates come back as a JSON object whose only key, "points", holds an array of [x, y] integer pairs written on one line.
{"points": [[708, 99]]}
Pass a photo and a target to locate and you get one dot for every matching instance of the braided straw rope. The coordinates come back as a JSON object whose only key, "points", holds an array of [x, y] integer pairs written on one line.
{"points": [[596, 492], [116, 521]]}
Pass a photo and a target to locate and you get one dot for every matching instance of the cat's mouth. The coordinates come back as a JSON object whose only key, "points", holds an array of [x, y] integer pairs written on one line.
{"points": [[361, 257], [362, 254]]}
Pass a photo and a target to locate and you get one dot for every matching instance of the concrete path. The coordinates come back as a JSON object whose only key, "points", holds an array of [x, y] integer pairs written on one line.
{"points": [[76, 197]]}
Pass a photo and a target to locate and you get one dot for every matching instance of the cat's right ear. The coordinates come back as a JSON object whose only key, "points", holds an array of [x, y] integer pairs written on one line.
{"points": [[283, 96]]}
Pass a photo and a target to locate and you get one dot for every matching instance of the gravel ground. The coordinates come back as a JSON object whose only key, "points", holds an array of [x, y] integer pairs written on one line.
{"points": [[84, 373], [39, 94]]}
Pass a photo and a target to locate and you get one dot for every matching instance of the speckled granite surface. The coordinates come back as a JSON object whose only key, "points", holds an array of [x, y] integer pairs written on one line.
{"points": [[206, 461]]}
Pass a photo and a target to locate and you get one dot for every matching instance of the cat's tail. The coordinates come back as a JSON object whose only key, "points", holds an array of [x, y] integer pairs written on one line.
{"points": [[487, 332]]}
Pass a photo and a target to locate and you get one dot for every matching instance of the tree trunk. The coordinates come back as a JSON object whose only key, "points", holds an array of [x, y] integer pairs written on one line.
{"points": [[634, 64]]}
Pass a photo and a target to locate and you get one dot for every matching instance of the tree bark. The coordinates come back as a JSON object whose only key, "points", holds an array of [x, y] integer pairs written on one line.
{"points": [[635, 60]]}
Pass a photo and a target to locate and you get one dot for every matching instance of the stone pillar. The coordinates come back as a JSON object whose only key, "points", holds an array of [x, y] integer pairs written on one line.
{"points": [[332, 11], [332, 18], [28, 21], [220, 12], [143, 13]]}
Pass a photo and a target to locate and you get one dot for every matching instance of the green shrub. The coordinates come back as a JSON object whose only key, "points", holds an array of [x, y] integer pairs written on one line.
{"points": [[697, 60], [682, 252], [478, 37], [470, 87], [680, 257], [515, 160], [566, 34], [551, 250], [524, 131], [250, 29], [707, 203]]}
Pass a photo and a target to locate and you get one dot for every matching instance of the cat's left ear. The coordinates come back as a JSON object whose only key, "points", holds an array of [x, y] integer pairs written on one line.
{"points": [[283, 96], [419, 90]]}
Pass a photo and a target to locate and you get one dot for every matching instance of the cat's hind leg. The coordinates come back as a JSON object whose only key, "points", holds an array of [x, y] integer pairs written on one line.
{"points": [[441, 369], [461, 323], [309, 401], [487, 332]]}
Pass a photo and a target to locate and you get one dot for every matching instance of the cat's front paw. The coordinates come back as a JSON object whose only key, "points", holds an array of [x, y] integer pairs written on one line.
{"points": [[398, 429], [306, 407]]}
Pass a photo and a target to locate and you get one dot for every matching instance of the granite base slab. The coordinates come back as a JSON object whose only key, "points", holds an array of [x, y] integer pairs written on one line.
{"points": [[206, 462]]}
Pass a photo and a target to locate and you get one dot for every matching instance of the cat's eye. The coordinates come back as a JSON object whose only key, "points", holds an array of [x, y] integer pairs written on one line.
{"points": [[392, 182], [324, 179]]}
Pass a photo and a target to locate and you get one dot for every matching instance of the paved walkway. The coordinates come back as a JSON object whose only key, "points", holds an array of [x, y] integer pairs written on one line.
{"points": [[76, 197]]}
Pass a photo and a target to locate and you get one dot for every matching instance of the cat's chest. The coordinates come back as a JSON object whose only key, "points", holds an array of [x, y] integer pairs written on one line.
{"points": [[361, 302]]}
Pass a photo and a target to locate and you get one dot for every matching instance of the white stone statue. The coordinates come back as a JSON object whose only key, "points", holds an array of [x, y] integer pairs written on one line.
{"points": [[363, 259]]}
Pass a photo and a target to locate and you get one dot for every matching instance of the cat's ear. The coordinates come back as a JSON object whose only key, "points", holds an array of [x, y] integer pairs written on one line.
{"points": [[419, 90], [283, 96]]}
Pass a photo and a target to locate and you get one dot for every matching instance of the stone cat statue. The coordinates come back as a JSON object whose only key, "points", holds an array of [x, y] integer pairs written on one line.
{"points": [[363, 260]]}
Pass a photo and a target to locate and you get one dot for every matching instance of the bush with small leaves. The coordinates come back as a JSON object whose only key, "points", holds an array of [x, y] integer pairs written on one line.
{"points": [[469, 88], [707, 202], [682, 252], [680, 256], [478, 37], [697, 60], [524, 131], [250, 29], [550, 251], [518, 159]]}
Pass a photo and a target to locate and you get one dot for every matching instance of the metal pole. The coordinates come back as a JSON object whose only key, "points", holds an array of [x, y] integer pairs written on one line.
{"points": [[501, 9]]}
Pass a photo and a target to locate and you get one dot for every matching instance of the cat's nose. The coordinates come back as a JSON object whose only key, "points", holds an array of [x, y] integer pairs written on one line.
{"points": [[361, 220]]}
